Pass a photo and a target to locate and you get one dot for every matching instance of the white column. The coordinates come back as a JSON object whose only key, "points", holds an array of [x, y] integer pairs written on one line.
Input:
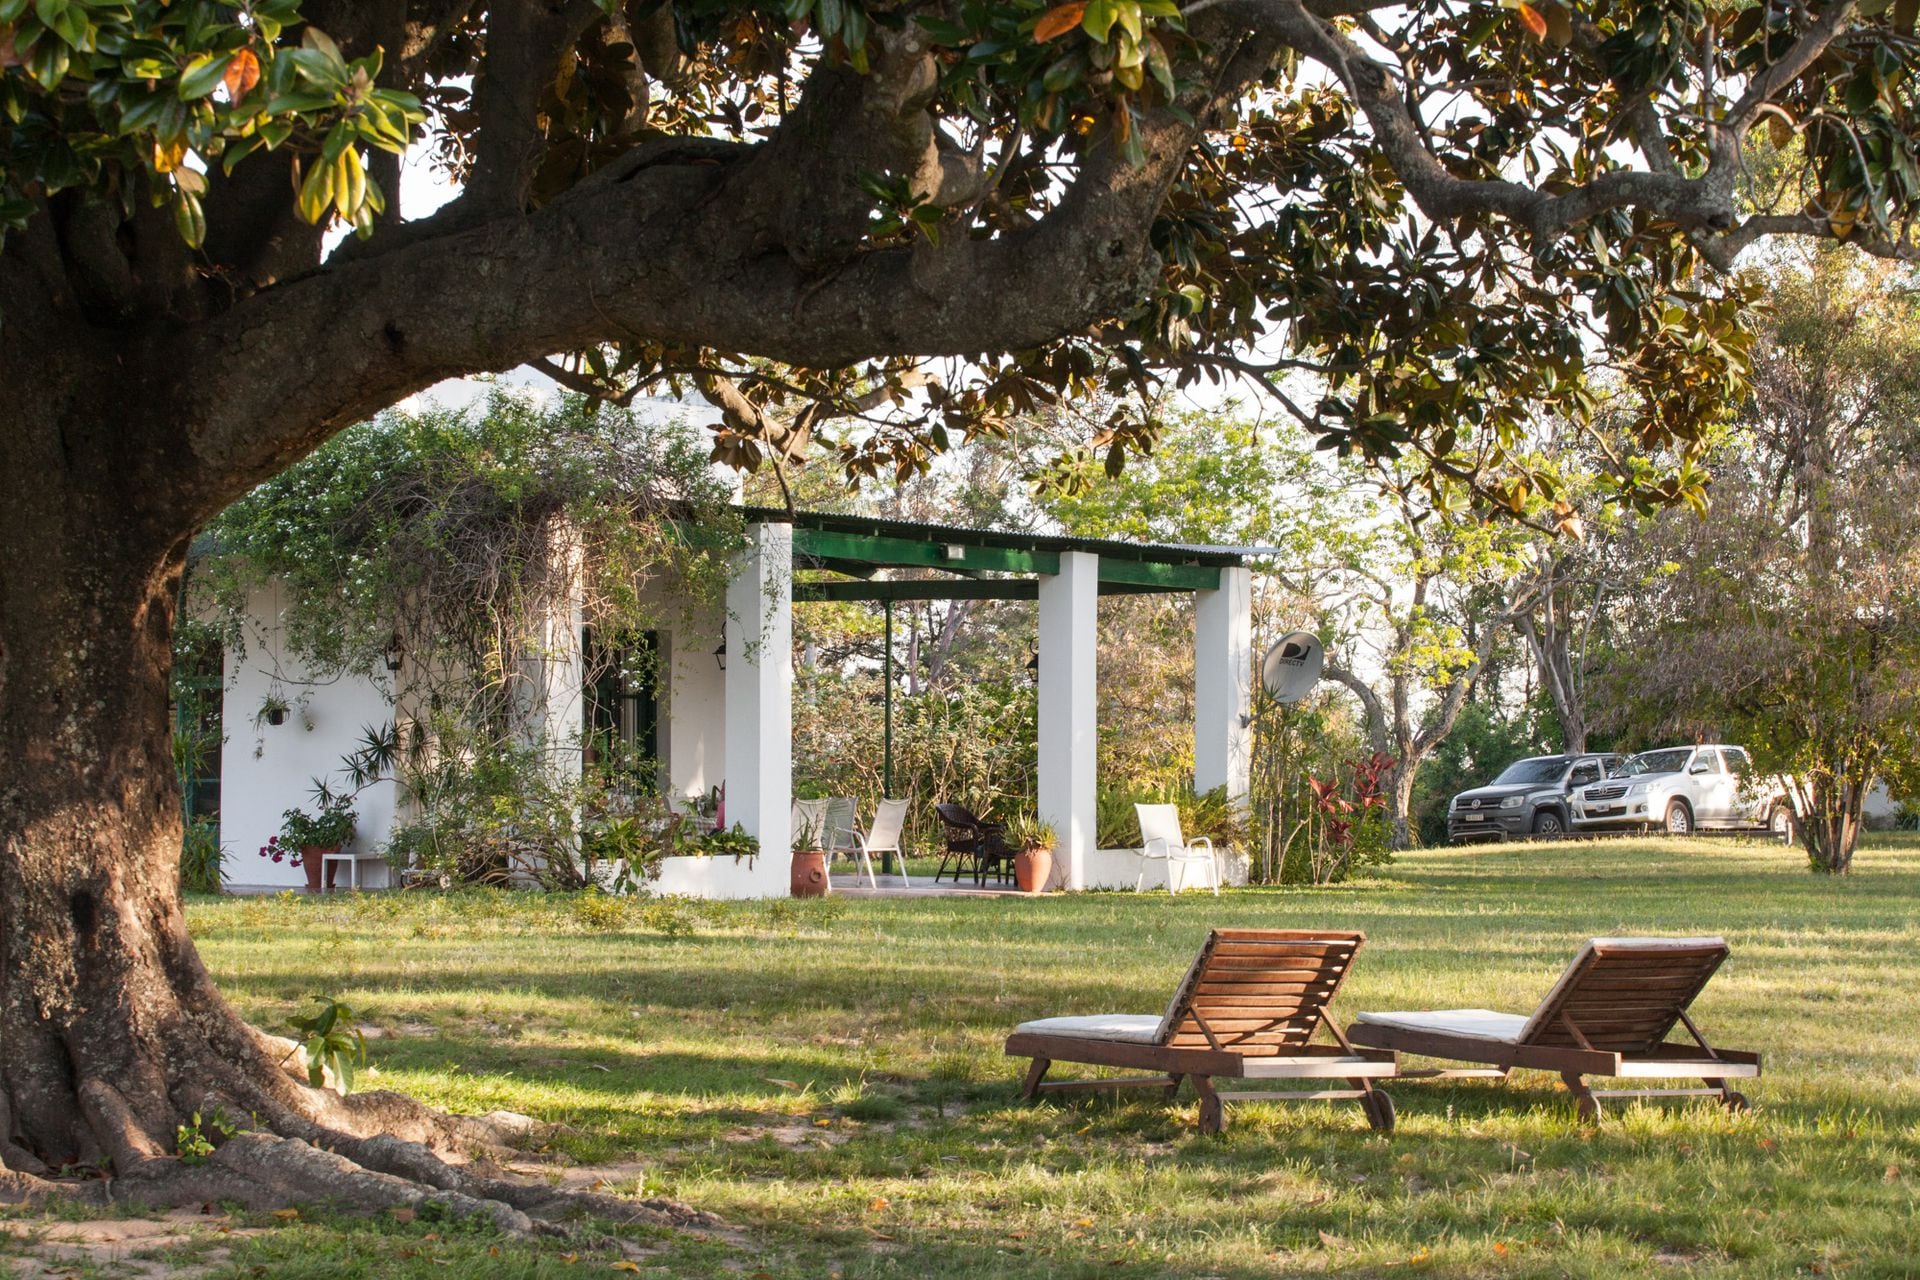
{"points": [[1223, 684], [759, 692], [1069, 729], [553, 691]]}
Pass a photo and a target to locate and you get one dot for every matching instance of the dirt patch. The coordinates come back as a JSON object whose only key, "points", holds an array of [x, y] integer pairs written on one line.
{"points": [[45, 1248], [614, 1178], [797, 1135]]}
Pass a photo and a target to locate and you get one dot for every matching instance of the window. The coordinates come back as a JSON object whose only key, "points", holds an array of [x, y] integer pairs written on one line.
{"points": [[1705, 760], [622, 710], [1536, 770], [1584, 772]]}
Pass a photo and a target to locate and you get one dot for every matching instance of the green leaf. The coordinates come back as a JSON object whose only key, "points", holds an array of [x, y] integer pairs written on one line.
{"points": [[48, 64], [349, 184], [1160, 66], [66, 20], [1099, 18], [298, 103], [316, 193], [202, 76], [189, 218]]}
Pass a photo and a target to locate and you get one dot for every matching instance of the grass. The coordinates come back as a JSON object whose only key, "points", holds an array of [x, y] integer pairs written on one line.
{"points": [[827, 1076]]}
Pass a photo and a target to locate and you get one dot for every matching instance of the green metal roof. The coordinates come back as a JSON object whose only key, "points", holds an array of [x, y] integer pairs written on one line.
{"points": [[860, 546]]}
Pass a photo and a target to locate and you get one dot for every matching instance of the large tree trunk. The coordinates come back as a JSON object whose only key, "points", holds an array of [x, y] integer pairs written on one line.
{"points": [[112, 1035]]}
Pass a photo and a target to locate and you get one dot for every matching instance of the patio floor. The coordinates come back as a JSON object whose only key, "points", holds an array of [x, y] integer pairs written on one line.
{"points": [[855, 886]]}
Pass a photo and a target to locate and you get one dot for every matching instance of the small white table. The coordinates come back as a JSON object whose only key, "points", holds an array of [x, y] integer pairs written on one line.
{"points": [[353, 861]]}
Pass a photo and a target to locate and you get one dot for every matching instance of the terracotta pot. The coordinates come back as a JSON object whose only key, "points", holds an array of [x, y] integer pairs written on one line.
{"points": [[310, 856], [1032, 868], [808, 878]]}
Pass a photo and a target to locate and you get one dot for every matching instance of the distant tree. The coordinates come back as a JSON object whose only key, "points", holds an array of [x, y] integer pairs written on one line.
{"points": [[1789, 621]]}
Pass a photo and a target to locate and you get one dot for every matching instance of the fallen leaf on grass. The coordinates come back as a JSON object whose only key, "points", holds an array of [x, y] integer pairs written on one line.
{"points": [[784, 1084], [286, 1215], [1332, 1241], [404, 1214], [876, 1204], [626, 1266]]}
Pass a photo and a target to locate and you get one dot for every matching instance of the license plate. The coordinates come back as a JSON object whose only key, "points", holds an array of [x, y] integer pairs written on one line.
{"points": [[1473, 817]]}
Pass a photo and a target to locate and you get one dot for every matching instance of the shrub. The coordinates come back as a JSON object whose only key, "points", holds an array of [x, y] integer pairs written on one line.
{"points": [[201, 856]]}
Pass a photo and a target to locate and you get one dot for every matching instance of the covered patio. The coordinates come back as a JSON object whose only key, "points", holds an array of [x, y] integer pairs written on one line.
{"points": [[812, 556]]}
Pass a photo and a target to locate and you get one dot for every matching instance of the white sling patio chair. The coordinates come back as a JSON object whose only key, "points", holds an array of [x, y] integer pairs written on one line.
{"points": [[889, 820], [1161, 840], [810, 819], [837, 829]]}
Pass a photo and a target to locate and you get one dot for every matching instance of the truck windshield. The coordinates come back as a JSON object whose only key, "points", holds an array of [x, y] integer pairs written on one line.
{"points": [[1672, 760], [1538, 769]]}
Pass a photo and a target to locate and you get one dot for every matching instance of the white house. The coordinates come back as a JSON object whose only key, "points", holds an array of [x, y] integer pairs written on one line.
{"points": [[721, 712]]}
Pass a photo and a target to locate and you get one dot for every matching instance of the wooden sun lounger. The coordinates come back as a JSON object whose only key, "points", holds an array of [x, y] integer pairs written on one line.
{"points": [[1610, 1014], [1247, 1008]]}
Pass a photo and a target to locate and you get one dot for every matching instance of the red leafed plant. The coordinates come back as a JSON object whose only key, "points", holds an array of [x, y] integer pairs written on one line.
{"points": [[1358, 789]]}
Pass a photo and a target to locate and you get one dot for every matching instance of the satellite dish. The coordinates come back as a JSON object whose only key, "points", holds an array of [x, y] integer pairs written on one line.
{"points": [[1292, 666]]}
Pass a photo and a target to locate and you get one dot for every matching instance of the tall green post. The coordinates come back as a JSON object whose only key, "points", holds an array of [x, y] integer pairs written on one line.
{"points": [[886, 669]]}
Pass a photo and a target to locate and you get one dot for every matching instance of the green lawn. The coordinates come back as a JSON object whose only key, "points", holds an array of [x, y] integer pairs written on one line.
{"points": [[827, 1075]]}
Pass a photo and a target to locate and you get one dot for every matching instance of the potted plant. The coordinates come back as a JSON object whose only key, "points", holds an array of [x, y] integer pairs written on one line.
{"points": [[808, 877], [1033, 839], [307, 838]]}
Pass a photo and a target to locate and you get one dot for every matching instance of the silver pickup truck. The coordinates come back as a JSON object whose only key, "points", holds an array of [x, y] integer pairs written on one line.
{"points": [[1682, 790]]}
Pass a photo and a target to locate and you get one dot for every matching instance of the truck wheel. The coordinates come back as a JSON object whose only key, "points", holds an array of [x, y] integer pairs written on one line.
{"points": [[1780, 823], [1549, 824], [1679, 818]]}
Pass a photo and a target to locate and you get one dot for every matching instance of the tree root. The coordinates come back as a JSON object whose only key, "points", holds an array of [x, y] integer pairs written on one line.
{"points": [[263, 1171], [365, 1153]]}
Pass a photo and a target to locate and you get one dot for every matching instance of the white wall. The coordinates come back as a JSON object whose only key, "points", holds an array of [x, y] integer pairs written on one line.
{"points": [[693, 709], [267, 769], [763, 877]]}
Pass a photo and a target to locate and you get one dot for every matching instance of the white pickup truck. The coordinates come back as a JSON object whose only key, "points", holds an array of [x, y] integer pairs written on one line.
{"points": [[1683, 790]]}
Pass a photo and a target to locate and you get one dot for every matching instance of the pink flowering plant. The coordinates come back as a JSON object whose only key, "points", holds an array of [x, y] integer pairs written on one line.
{"points": [[330, 828]]}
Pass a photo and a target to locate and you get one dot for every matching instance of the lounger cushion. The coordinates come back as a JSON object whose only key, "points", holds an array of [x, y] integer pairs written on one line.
{"points": [[1133, 1028], [1476, 1024]]}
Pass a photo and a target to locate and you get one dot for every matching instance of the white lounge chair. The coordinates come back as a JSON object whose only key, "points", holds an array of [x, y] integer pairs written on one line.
{"points": [[1161, 840], [889, 820]]}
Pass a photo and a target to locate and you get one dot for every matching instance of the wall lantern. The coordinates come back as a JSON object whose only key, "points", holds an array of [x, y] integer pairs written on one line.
{"points": [[720, 654], [394, 653]]}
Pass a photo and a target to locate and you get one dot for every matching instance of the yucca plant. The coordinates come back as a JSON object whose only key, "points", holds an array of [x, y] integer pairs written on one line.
{"points": [[1028, 830]]}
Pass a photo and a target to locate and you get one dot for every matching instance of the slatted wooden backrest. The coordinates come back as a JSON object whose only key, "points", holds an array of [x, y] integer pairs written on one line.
{"points": [[1624, 995], [1259, 991]]}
